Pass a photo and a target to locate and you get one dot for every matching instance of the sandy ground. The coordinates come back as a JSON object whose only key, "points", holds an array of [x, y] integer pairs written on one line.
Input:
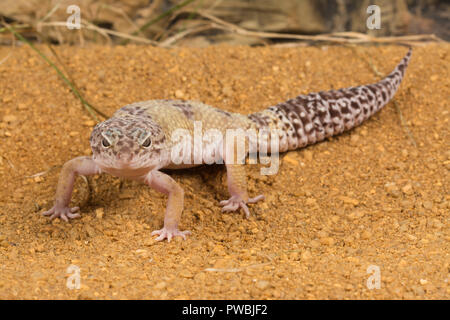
{"points": [[377, 196]]}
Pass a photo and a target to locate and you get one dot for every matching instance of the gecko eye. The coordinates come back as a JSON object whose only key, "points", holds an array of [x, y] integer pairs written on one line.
{"points": [[105, 143], [147, 143]]}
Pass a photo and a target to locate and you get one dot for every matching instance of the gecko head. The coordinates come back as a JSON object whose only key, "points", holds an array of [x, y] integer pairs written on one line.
{"points": [[127, 143]]}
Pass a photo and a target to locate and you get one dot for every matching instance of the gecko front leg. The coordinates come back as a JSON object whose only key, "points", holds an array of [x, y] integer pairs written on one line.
{"points": [[237, 186], [165, 184], [81, 165]]}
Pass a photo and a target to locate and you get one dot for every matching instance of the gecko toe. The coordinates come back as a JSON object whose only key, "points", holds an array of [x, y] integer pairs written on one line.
{"points": [[256, 199], [236, 202], [168, 234], [64, 213]]}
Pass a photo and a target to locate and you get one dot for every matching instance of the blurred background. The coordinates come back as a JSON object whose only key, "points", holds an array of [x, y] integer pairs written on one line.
{"points": [[203, 22]]}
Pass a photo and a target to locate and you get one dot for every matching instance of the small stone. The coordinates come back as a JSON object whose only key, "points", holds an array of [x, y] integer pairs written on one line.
{"points": [[328, 241], [434, 77], [9, 118], [356, 214], [262, 284], [354, 139], [90, 231], [348, 200], [308, 155], [365, 235], [38, 179], [126, 194], [392, 189], [322, 234], [405, 153], [179, 94], [89, 123], [423, 281], [290, 160], [227, 91], [160, 285], [315, 244], [306, 255], [276, 68], [22, 106], [200, 277], [99, 213], [310, 202], [73, 133], [428, 205], [186, 274], [407, 189]]}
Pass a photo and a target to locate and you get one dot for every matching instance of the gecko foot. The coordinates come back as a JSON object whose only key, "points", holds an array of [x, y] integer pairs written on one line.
{"points": [[64, 213], [169, 233], [236, 202]]}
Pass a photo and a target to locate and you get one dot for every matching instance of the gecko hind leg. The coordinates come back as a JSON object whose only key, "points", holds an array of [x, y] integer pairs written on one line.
{"points": [[237, 186]]}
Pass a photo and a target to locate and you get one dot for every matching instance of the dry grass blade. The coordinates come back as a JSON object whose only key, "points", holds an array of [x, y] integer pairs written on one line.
{"points": [[161, 16], [85, 104], [104, 31], [123, 14], [171, 40]]}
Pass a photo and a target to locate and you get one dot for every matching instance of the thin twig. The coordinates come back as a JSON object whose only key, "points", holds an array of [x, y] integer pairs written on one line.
{"points": [[107, 31], [51, 12], [123, 14], [171, 40], [161, 16], [339, 37]]}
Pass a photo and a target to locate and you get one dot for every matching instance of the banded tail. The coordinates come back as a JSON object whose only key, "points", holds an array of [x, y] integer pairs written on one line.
{"points": [[311, 118]]}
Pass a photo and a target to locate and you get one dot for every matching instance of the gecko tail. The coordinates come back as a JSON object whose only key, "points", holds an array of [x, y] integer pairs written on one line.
{"points": [[311, 118]]}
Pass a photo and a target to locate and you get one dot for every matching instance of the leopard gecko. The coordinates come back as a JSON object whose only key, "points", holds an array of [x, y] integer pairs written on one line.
{"points": [[137, 141]]}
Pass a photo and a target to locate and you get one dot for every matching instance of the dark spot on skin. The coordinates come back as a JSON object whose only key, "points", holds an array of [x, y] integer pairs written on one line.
{"points": [[95, 149], [223, 112], [256, 118], [186, 108], [355, 105], [348, 94], [334, 113], [346, 109]]}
